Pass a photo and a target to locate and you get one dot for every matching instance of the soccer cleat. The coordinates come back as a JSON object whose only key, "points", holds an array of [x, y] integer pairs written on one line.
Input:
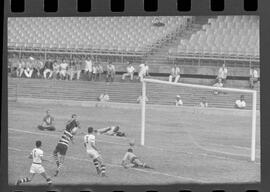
{"points": [[18, 182], [103, 174]]}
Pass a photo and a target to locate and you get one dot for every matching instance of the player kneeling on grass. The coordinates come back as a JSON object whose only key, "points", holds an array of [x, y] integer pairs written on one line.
{"points": [[131, 160], [60, 150], [112, 131], [36, 167], [92, 151], [47, 123]]}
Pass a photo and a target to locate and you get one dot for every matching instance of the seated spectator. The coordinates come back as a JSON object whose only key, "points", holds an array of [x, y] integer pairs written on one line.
{"points": [[219, 84], [129, 73], [139, 99], [203, 103], [178, 101], [143, 71], [222, 73], [175, 74], [253, 77], [110, 72], [48, 68], [104, 97], [240, 104], [88, 69], [112, 131], [28, 70], [47, 123], [63, 69]]}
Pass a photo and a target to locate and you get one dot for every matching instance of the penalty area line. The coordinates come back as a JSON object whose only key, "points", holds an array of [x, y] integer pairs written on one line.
{"points": [[136, 169]]}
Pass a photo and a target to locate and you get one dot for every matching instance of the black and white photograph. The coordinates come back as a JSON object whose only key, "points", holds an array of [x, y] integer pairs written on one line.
{"points": [[134, 100]]}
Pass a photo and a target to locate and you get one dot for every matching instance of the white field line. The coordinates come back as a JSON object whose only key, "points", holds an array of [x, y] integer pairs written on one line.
{"points": [[150, 147], [119, 166]]}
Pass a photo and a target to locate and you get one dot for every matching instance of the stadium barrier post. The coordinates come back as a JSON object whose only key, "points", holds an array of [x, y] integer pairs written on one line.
{"points": [[253, 135], [143, 111]]}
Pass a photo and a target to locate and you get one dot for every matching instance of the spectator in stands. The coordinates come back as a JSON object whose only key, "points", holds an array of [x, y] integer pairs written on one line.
{"points": [[28, 71], [63, 69], [71, 70], [240, 103], [48, 68], [178, 101], [253, 77], [175, 74], [222, 73], [143, 71], [88, 68], [20, 68], [104, 97], [110, 72], [95, 71], [219, 84], [56, 70], [39, 67], [130, 72], [139, 99], [203, 102]]}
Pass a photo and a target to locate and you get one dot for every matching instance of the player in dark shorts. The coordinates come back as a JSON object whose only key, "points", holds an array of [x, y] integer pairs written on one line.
{"points": [[60, 150]]}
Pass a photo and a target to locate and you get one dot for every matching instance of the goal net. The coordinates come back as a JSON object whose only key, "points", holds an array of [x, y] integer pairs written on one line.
{"points": [[199, 119]]}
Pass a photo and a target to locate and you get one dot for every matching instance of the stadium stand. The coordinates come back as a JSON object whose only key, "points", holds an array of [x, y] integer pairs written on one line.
{"points": [[224, 35], [131, 33]]}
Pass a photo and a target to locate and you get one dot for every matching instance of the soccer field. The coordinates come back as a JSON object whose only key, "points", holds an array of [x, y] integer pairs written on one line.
{"points": [[184, 145]]}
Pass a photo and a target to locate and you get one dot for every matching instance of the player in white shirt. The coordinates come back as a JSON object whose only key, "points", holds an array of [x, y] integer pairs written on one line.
{"points": [[240, 104], [130, 72], [131, 160], [92, 151], [36, 167]]}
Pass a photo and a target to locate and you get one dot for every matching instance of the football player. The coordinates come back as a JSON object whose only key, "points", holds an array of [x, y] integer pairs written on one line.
{"points": [[36, 167], [60, 150], [112, 131], [92, 151]]}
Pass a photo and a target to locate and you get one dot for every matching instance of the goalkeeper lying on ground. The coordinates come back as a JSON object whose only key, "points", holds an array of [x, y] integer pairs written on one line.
{"points": [[131, 160], [112, 131]]}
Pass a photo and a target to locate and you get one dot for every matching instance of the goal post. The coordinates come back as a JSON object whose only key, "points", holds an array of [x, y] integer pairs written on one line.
{"points": [[161, 82]]}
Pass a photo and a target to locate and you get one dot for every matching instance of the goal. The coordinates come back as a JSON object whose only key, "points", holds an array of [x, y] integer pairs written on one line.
{"points": [[160, 92]]}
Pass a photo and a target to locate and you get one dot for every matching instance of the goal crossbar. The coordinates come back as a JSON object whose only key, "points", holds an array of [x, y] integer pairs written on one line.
{"points": [[254, 105]]}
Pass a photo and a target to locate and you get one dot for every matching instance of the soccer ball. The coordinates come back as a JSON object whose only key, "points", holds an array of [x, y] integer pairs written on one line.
{"points": [[132, 142], [74, 131]]}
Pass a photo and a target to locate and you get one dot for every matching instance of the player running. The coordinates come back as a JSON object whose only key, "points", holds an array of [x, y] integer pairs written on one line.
{"points": [[36, 167], [131, 160], [60, 150], [92, 151]]}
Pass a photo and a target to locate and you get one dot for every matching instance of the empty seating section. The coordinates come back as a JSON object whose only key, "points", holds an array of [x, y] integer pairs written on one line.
{"points": [[225, 35], [109, 33]]}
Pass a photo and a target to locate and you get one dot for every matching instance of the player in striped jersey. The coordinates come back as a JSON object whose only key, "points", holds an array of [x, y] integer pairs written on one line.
{"points": [[92, 151], [60, 150], [36, 167]]}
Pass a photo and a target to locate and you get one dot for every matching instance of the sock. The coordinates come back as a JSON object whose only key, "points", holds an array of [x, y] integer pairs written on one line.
{"points": [[60, 166], [24, 180], [49, 181], [56, 159], [95, 161], [102, 169]]}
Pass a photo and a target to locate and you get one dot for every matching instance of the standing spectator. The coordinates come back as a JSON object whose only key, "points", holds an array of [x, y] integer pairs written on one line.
{"points": [[71, 70], [110, 72], [130, 72], [178, 101], [203, 103], [222, 73], [175, 73], [143, 71], [241, 103], [20, 68], [48, 68], [99, 70], [78, 68], [253, 77], [219, 84], [56, 69], [88, 68], [39, 67], [63, 69], [95, 71]]}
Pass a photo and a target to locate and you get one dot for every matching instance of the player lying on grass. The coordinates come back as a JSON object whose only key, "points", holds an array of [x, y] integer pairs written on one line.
{"points": [[131, 160], [112, 131], [47, 123], [92, 152], [36, 167], [60, 150]]}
